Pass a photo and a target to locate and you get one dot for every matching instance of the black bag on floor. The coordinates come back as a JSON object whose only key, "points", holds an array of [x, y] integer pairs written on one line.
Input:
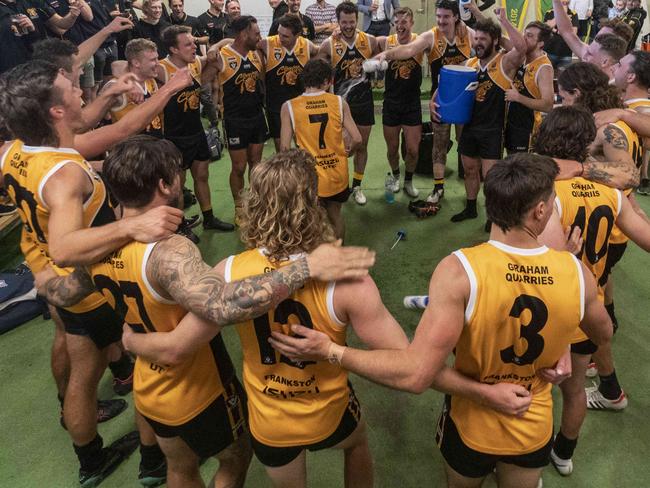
{"points": [[18, 300]]}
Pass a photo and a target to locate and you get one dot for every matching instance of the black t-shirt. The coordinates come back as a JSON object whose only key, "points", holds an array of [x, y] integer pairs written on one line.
{"points": [[212, 26], [152, 32], [192, 23], [556, 45], [75, 34], [16, 48], [101, 18], [308, 29], [280, 10]]}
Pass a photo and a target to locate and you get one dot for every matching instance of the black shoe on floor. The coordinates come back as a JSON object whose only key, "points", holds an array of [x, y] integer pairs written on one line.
{"points": [[7, 209], [464, 215], [153, 477], [193, 221], [123, 387], [114, 454], [188, 198], [216, 224], [187, 232], [488, 226], [108, 409]]}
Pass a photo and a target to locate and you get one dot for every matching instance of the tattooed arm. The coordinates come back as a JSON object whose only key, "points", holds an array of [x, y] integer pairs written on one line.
{"points": [[177, 269], [64, 291]]}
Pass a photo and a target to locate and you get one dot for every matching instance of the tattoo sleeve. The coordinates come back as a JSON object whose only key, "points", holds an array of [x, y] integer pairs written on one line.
{"points": [[177, 266], [69, 290], [617, 174]]}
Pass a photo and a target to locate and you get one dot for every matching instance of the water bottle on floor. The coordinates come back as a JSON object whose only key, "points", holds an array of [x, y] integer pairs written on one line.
{"points": [[388, 191]]}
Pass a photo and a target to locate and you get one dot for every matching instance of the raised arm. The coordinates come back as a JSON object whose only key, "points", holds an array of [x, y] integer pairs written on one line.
{"points": [[92, 44], [566, 29], [516, 56], [177, 268], [92, 143]]}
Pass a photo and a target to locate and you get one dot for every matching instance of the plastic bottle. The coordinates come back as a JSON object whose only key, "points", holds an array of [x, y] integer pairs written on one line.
{"points": [[388, 191], [416, 301], [465, 14]]}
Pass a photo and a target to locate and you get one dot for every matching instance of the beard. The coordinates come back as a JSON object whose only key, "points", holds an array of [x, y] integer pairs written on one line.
{"points": [[486, 52]]}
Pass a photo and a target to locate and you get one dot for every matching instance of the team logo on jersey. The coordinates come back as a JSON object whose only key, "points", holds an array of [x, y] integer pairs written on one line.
{"points": [[31, 12], [246, 81], [351, 68], [232, 62], [189, 99], [289, 74], [277, 54], [339, 50], [403, 69], [483, 89]]}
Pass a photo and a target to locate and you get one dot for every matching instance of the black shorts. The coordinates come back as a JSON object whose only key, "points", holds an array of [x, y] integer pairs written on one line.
{"points": [[241, 133], [216, 427], [281, 456], [478, 143], [193, 148], [101, 325], [340, 197], [517, 140], [586, 348], [103, 58], [474, 464], [363, 114], [275, 124], [396, 114], [614, 254]]}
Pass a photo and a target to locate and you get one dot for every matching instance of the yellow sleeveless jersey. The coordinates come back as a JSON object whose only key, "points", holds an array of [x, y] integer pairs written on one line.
{"points": [[317, 120], [523, 308], [635, 150], [26, 170], [456, 52], [171, 395], [290, 403], [283, 70], [149, 87]]}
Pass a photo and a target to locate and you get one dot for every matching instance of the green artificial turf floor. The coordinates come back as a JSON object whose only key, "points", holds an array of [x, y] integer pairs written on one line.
{"points": [[613, 450]]}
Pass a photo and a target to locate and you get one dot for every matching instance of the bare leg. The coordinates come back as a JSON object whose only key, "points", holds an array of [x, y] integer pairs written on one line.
{"points": [[59, 360], [87, 364], [233, 464], [254, 155], [361, 154], [412, 136], [276, 143], [335, 216], [472, 176], [358, 459], [391, 135], [511, 476], [200, 174], [239, 161], [292, 475], [182, 463], [457, 480], [441, 137]]}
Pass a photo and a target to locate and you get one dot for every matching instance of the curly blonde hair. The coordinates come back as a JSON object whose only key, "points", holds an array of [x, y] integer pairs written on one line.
{"points": [[280, 211]]}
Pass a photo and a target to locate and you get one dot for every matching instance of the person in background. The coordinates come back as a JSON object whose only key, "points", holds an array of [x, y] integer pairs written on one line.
{"points": [[635, 18], [308, 29], [323, 15], [151, 25], [557, 49], [279, 7], [377, 15], [584, 9], [180, 17], [211, 23], [619, 8]]}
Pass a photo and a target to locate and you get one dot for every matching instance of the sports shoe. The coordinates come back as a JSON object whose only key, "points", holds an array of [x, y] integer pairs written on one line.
{"points": [[643, 189], [153, 477], [215, 224], [414, 205], [188, 198], [464, 215], [427, 210], [596, 400], [392, 183], [193, 221], [106, 410], [358, 196], [114, 454], [123, 386], [563, 466], [187, 232], [436, 195], [410, 189], [592, 371], [7, 209]]}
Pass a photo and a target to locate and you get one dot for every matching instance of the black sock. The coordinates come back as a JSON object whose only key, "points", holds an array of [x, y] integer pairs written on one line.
{"points": [[471, 205], [122, 368], [645, 181], [439, 186], [564, 447], [151, 456], [91, 455], [396, 173], [408, 175], [207, 215], [612, 315], [609, 386]]}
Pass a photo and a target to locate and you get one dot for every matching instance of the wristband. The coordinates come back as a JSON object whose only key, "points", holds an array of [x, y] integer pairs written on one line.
{"points": [[335, 353]]}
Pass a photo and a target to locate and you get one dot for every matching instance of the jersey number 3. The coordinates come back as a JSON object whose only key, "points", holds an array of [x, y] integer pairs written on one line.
{"points": [[529, 331]]}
